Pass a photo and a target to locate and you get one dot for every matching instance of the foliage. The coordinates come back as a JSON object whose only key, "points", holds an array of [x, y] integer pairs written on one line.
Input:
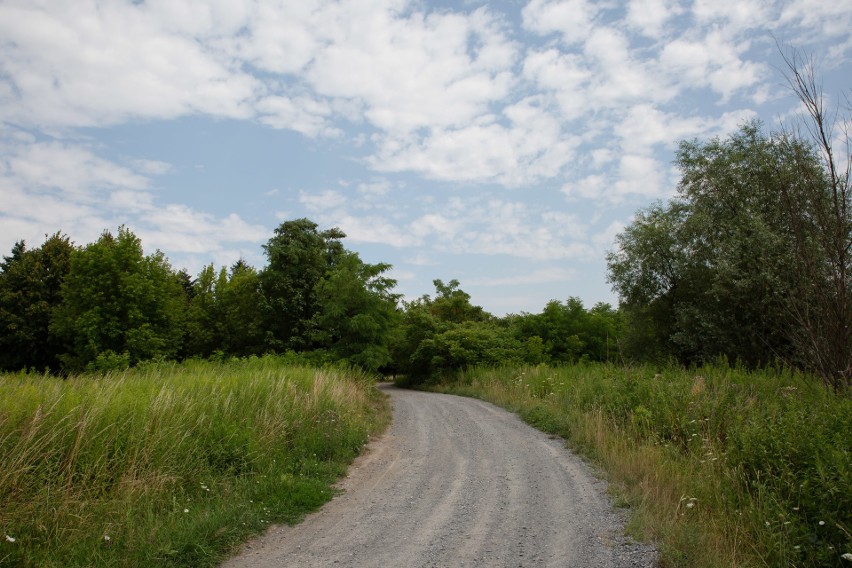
{"points": [[753, 258], [30, 289], [171, 465], [226, 312], [115, 299], [724, 467], [448, 333], [567, 332], [712, 272], [357, 312], [299, 256]]}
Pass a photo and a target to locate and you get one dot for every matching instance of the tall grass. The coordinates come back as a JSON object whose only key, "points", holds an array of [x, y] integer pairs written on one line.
{"points": [[167, 464], [723, 467]]}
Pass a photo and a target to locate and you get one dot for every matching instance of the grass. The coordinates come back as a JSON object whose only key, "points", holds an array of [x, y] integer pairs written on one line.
{"points": [[722, 467], [171, 464]]}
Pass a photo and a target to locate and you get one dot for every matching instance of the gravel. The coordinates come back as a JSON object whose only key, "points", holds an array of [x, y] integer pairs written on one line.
{"points": [[457, 482]]}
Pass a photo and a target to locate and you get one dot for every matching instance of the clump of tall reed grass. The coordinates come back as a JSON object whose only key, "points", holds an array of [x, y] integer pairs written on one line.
{"points": [[171, 464], [723, 467]]}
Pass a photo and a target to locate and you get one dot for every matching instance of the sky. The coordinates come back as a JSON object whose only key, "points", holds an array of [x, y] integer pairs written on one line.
{"points": [[502, 144]]}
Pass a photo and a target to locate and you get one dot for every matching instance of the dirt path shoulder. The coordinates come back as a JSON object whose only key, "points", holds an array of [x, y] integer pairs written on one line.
{"points": [[457, 482]]}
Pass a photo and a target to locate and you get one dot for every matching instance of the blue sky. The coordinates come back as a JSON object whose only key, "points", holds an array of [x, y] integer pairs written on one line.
{"points": [[503, 144]]}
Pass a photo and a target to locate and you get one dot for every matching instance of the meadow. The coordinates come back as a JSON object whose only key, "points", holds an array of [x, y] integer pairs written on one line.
{"points": [[171, 464], [721, 467]]}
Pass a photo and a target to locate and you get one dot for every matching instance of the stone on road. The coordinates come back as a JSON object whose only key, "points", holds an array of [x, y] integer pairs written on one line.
{"points": [[457, 482]]}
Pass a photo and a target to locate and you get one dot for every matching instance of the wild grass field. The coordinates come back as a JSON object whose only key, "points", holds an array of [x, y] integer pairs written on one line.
{"points": [[722, 467], [171, 464]]}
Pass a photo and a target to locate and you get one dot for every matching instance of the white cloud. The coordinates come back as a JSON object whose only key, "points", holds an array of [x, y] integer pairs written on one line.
{"points": [[736, 15], [645, 127], [649, 16], [85, 64], [59, 186], [303, 114], [323, 201], [526, 146], [371, 229], [713, 60], [72, 170], [540, 276], [572, 18], [131, 200], [415, 71]]}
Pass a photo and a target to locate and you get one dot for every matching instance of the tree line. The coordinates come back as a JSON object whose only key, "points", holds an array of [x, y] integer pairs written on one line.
{"points": [[106, 305]]}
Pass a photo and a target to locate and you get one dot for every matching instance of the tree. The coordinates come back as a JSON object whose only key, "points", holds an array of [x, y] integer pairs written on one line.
{"points": [[357, 312], [447, 333], [567, 332], [30, 289], [452, 304], [241, 308], [202, 333], [819, 206], [299, 255], [118, 302], [709, 274]]}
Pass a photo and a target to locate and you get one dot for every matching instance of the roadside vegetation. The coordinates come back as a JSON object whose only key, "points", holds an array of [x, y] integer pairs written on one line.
{"points": [[171, 464], [721, 466]]}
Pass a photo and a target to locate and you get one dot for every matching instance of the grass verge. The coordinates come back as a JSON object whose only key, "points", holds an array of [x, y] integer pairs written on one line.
{"points": [[171, 464], [721, 467]]}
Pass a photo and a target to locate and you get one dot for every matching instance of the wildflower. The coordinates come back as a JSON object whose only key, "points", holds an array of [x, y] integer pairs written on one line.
{"points": [[847, 556], [107, 538], [690, 505], [186, 510], [10, 538], [822, 523]]}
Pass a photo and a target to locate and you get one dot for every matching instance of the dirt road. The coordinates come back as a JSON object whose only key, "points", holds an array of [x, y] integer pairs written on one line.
{"points": [[457, 482]]}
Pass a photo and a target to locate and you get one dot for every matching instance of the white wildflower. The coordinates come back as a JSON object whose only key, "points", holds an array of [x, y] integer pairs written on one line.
{"points": [[847, 556], [10, 538], [186, 510], [822, 523]]}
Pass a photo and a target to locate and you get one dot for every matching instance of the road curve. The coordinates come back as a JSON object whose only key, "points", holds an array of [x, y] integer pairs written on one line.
{"points": [[457, 482]]}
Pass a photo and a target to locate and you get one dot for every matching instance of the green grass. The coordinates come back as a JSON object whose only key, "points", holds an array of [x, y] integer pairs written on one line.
{"points": [[171, 464], [722, 467]]}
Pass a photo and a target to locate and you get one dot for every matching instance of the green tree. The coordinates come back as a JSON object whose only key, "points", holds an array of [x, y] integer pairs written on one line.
{"points": [[30, 289], [567, 332], [466, 344], [299, 256], [202, 333], [712, 272], [452, 304], [118, 302], [447, 333], [357, 312], [241, 309]]}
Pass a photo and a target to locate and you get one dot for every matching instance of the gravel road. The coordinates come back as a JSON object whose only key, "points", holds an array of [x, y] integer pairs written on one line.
{"points": [[457, 482]]}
